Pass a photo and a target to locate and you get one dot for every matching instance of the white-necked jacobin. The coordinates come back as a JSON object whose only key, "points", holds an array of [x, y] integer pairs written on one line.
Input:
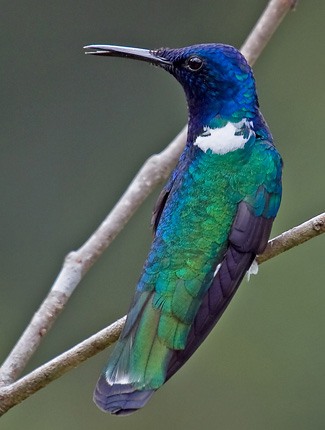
{"points": [[212, 218]]}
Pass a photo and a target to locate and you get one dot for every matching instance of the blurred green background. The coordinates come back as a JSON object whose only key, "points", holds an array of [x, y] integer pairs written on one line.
{"points": [[74, 131]]}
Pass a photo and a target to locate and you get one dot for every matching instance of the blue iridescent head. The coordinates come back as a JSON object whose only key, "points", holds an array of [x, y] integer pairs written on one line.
{"points": [[217, 80]]}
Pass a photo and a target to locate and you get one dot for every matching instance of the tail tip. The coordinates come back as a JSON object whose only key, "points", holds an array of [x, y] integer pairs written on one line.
{"points": [[119, 399]]}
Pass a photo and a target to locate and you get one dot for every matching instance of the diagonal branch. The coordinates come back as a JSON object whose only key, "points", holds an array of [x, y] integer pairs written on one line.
{"points": [[16, 392], [77, 263], [294, 237], [265, 27], [42, 376]]}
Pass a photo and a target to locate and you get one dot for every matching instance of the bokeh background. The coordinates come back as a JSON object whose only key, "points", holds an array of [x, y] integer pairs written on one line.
{"points": [[74, 131]]}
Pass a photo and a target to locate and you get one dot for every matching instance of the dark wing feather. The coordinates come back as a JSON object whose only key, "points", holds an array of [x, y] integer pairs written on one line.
{"points": [[248, 237], [159, 207]]}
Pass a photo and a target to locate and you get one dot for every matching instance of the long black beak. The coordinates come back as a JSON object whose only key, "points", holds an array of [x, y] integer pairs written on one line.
{"points": [[127, 52]]}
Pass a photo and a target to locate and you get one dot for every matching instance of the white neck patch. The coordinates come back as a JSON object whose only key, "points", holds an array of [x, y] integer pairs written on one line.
{"points": [[225, 139]]}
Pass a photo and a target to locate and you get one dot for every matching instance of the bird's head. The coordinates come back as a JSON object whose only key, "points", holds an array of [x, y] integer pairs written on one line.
{"points": [[217, 80]]}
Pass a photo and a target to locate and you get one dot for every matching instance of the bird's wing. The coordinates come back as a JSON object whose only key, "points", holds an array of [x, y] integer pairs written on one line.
{"points": [[159, 206], [248, 237]]}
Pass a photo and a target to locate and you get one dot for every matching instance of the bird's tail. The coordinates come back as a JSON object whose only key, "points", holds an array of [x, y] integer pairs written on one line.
{"points": [[138, 364], [119, 399]]}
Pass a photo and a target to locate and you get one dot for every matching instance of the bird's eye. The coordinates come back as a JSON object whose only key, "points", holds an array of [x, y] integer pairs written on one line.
{"points": [[194, 63]]}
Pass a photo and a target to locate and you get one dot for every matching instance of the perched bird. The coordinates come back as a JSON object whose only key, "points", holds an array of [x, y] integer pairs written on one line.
{"points": [[211, 219]]}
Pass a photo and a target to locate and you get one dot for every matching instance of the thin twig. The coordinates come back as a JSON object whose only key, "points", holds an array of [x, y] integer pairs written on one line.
{"points": [[265, 27], [77, 263], [42, 376]]}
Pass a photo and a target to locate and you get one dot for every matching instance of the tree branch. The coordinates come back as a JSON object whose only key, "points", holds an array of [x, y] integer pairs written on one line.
{"points": [[18, 391], [15, 393], [77, 263], [294, 237], [265, 27]]}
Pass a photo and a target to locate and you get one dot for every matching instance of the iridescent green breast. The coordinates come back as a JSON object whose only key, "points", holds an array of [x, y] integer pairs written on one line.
{"points": [[192, 234]]}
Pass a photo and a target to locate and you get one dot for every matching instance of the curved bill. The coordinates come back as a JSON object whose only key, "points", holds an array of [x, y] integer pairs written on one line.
{"points": [[128, 52]]}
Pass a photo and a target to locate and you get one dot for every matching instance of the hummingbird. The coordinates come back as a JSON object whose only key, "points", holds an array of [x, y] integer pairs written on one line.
{"points": [[210, 221]]}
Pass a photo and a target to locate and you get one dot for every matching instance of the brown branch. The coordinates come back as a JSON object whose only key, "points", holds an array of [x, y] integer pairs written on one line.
{"points": [[18, 391], [265, 27], [294, 237], [15, 393], [77, 263]]}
